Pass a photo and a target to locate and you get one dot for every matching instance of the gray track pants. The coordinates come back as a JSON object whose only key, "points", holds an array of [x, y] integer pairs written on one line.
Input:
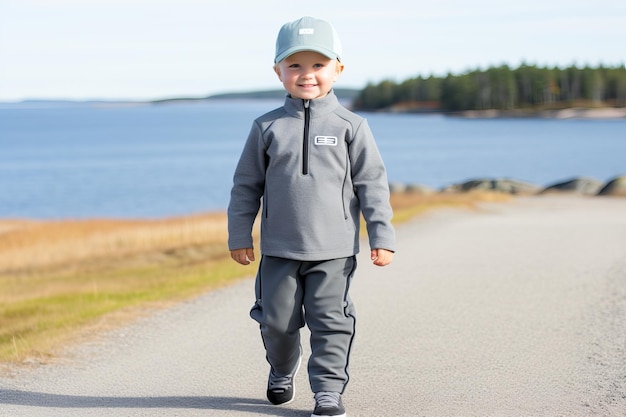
{"points": [[291, 293]]}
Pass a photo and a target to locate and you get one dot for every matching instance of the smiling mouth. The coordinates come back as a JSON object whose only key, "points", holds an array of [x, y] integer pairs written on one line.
{"points": [[307, 85]]}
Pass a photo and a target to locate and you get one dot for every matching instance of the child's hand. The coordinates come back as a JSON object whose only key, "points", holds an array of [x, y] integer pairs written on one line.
{"points": [[242, 256], [381, 257]]}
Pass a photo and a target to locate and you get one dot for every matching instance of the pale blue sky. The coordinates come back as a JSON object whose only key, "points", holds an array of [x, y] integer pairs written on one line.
{"points": [[146, 49]]}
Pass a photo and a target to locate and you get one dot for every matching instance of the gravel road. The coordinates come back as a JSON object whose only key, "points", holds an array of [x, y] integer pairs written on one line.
{"points": [[516, 309]]}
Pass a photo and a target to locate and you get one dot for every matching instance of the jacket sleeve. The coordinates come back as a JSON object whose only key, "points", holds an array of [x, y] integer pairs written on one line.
{"points": [[369, 178], [247, 190]]}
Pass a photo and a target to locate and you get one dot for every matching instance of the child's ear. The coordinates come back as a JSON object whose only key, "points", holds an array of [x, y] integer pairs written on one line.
{"points": [[277, 71], [338, 70]]}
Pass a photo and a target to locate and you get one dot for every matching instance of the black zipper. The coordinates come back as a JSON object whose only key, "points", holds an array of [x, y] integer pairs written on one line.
{"points": [[305, 140]]}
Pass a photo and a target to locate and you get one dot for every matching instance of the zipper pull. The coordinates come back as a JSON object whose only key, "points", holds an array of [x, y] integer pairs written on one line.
{"points": [[306, 103]]}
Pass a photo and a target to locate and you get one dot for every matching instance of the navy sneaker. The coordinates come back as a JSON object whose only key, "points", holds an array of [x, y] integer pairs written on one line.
{"points": [[281, 388], [328, 404]]}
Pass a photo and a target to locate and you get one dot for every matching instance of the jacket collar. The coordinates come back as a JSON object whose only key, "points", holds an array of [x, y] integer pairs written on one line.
{"points": [[318, 107]]}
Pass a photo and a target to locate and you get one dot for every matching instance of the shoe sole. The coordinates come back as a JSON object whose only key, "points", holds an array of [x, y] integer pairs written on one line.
{"points": [[338, 415]]}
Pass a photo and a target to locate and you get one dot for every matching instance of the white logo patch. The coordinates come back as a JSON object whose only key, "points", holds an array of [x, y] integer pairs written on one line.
{"points": [[306, 31], [326, 140]]}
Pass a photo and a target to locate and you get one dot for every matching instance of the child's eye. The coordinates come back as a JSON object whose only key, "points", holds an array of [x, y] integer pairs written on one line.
{"points": [[294, 66]]}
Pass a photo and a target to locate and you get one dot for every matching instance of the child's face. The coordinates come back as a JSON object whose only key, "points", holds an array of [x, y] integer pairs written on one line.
{"points": [[308, 75]]}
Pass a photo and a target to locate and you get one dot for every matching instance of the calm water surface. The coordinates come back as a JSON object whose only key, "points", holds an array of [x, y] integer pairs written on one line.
{"points": [[166, 160]]}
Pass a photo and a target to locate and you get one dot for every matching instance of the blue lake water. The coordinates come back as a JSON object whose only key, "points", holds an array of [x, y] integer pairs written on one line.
{"points": [[81, 161]]}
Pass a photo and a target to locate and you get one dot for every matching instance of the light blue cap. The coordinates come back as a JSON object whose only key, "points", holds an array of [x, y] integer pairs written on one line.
{"points": [[307, 34]]}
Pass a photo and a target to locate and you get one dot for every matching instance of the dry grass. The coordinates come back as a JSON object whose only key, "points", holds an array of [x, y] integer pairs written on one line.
{"points": [[408, 205], [60, 277], [31, 246]]}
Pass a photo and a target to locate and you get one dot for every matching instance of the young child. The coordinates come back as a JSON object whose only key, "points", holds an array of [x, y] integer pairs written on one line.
{"points": [[315, 168]]}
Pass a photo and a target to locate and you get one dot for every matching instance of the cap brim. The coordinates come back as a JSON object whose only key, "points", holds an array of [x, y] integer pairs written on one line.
{"points": [[283, 55]]}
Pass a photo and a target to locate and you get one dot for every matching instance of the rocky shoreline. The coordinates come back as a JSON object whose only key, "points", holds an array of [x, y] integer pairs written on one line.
{"points": [[562, 113], [577, 185], [568, 113]]}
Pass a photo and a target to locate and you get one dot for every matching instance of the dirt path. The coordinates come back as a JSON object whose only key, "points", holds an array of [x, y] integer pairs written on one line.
{"points": [[515, 310]]}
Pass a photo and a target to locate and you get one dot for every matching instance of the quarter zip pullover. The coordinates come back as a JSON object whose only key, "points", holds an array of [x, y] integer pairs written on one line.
{"points": [[315, 168]]}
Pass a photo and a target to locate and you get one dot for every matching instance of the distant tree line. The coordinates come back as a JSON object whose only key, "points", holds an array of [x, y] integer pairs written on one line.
{"points": [[503, 88]]}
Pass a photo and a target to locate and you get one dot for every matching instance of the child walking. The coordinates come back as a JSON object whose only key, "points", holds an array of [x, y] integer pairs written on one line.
{"points": [[315, 168]]}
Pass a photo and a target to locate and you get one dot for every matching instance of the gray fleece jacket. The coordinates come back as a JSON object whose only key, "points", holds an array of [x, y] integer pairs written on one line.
{"points": [[315, 167]]}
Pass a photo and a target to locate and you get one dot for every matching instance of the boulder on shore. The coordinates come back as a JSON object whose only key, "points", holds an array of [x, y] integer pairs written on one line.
{"points": [[503, 185], [411, 189], [579, 185], [615, 187], [419, 189]]}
